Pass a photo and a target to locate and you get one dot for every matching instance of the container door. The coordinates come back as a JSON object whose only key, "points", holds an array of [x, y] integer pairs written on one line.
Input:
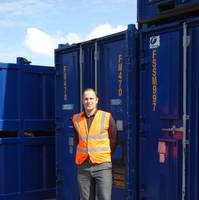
{"points": [[193, 103], [161, 127], [67, 103], [116, 83], [106, 65], [74, 73]]}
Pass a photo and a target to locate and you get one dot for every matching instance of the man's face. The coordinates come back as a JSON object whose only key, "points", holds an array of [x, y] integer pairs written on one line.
{"points": [[90, 101]]}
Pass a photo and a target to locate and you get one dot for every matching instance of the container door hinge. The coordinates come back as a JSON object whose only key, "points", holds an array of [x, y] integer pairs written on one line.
{"points": [[187, 41], [129, 59], [58, 68], [143, 63], [144, 128], [59, 125], [57, 73], [131, 62], [59, 179], [187, 142]]}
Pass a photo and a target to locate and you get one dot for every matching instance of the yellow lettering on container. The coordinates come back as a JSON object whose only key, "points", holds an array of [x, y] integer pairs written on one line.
{"points": [[120, 75], [65, 82], [154, 80]]}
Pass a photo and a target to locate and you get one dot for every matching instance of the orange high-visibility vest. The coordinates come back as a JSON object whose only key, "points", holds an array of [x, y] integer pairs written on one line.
{"points": [[93, 143]]}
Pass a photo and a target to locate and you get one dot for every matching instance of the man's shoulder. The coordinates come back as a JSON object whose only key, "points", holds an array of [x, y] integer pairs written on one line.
{"points": [[78, 114], [103, 111], [106, 113]]}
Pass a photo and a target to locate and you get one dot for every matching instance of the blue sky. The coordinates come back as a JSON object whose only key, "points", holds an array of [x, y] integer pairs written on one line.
{"points": [[34, 28]]}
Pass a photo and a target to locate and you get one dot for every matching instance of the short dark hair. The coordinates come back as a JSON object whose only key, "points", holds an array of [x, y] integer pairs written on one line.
{"points": [[90, 89]]}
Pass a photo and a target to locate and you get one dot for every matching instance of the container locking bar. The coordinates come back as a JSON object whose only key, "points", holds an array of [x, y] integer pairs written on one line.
{"points": [[173, 129], [96, 62], [184, 140], [81, 76]]}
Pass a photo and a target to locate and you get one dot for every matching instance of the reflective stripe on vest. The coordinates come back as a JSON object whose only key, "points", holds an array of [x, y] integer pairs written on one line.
{"points": [[95, 150], [93, 137], [77, 120], [102, 121]]}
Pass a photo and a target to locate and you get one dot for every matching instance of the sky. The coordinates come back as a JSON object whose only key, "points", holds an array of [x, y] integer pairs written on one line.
{"points": [[34, 28]]}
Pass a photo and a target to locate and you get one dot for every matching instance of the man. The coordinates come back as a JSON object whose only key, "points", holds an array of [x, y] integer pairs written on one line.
{"points": [[96, 139]]}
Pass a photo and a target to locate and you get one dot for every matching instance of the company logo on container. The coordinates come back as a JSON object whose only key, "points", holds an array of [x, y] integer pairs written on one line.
{"points": [[154, 42]]}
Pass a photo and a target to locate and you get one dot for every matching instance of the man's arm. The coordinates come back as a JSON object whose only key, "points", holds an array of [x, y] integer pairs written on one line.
{"points": [[76, 138], [112, 134]]}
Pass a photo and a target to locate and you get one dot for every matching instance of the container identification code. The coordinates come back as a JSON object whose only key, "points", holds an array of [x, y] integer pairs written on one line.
{"points": [[154, 79], [120, 75], [154, 43], [65, 82]]}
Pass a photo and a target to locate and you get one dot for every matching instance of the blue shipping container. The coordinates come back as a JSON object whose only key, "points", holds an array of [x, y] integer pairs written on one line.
{"points": [[108, 65], [26, 97], [27, 142], [27, 170], [169, 168], [153, 11]]}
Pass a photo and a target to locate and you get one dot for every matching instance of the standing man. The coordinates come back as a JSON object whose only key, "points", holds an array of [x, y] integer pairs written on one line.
{"points": [[96, 139]]}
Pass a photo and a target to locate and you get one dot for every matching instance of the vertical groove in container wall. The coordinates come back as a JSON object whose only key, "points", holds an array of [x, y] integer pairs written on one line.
{"points": [[162, 130]]}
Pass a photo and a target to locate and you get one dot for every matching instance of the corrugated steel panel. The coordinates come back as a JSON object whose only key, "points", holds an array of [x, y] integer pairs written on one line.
{"points": [[169, 93], [27, 170], [26, 97], [27, 142], [67, 102], [108, 65], [193, 106]]}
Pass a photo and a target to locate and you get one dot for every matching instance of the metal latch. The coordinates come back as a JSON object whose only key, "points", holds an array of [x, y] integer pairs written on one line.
{"points": [[173, 129]]}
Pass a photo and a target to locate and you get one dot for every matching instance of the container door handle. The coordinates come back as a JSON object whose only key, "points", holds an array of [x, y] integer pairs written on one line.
{"points": [[173, 129]]}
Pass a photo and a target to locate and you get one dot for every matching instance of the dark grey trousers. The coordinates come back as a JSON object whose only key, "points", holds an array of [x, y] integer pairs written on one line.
{"points": [[95, 181]]}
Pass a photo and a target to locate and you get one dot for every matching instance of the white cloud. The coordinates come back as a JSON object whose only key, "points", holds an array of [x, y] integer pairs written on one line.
{"points": [[105, 29], [43, 43], [39, 42], [70, 38]]}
